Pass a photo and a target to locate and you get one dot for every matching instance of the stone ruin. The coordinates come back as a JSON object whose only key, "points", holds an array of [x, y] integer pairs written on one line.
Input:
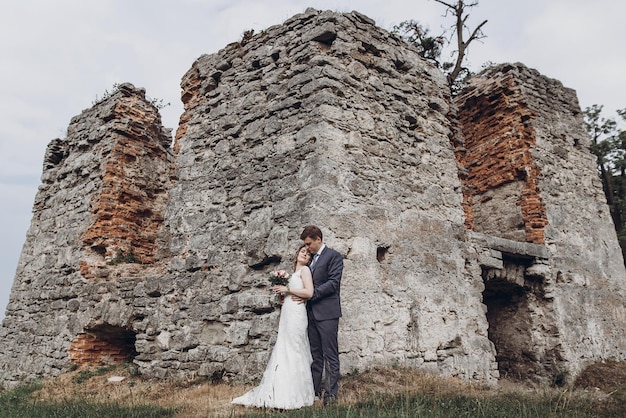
{"points": [[476, 238]]}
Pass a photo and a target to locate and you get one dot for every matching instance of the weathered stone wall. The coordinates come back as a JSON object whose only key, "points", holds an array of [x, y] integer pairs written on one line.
{"points": [[128, 211], [536, 181], [103, 189], [587, 279], [328, 120]]}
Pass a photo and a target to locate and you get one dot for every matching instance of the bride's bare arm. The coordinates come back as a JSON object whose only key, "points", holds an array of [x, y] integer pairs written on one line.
{"points": [[307, 280]]}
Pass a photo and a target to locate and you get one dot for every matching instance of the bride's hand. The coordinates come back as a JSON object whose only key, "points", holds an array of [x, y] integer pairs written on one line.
{"points": [[281, 289]]}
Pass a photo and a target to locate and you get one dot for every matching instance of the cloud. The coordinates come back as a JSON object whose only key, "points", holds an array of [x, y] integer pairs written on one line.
{"points": [[579, 43]]}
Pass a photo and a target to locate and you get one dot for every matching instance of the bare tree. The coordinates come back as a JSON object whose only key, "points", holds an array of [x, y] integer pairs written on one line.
{"points": [[459, 11], [430, 47]]}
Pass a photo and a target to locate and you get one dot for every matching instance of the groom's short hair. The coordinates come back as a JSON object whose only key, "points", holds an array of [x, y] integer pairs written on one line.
{"points": [[311, 231]]}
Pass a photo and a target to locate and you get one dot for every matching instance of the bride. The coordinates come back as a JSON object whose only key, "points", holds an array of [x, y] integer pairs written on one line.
{"points": [[287, 381]]}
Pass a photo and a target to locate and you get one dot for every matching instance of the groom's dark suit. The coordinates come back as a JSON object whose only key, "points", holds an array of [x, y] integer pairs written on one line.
{"points": [[324, 311]]}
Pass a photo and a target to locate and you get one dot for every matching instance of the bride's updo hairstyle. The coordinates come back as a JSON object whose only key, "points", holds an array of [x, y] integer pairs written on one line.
{"points": [[295, 257]]}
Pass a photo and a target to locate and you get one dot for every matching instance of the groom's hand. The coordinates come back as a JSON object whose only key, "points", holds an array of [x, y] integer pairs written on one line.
{"points": [[297, 299]]}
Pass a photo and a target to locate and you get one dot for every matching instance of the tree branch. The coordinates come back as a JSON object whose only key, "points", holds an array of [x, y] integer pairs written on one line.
{"points": [[475, 33]]}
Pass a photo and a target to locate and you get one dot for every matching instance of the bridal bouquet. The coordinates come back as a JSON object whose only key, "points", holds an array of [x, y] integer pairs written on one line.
{"points": [[279, 278]]}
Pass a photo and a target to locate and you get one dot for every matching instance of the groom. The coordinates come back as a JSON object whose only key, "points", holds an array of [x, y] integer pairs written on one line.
{"points": [[324, 311]]}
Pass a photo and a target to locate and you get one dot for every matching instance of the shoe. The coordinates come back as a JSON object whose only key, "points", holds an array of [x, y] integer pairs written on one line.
{"points": [[330, 400]]}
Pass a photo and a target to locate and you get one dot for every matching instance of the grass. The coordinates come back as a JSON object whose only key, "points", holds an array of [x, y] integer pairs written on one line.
{"points": [[21, 403], [599, 391], [430, 406], [404, 393], [86, 374]]}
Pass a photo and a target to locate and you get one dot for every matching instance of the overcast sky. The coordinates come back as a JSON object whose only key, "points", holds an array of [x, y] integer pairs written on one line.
{"points": [[58, 56]]}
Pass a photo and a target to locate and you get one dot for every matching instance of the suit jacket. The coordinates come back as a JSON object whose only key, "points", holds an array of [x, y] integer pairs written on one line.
{"points": [[326, 302]]}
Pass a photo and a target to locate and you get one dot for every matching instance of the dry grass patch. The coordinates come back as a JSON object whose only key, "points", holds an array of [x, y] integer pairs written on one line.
{"points": [[400, 380], [607, 380], [205, 399], [189, 399], [607, 376]]}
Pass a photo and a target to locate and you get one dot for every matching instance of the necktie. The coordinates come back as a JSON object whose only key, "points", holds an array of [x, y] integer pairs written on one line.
{"points": [[314, 259]]}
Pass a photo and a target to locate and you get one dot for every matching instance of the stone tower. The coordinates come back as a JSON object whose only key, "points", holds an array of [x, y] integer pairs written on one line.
{"points": [[531, 178], [475, 238], [102, 199]]}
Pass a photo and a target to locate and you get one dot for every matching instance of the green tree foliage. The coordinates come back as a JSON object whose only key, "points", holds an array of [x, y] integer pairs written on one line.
{"points": [[428, 47], [608, 143], [158, 103], [431, 47]]}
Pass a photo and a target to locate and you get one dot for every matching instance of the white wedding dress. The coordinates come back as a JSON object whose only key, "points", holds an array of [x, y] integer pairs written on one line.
{"points": [[287, 381]]}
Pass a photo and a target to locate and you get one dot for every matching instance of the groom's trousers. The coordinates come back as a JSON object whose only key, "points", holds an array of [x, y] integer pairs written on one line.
{"points": [[325, 353]]}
